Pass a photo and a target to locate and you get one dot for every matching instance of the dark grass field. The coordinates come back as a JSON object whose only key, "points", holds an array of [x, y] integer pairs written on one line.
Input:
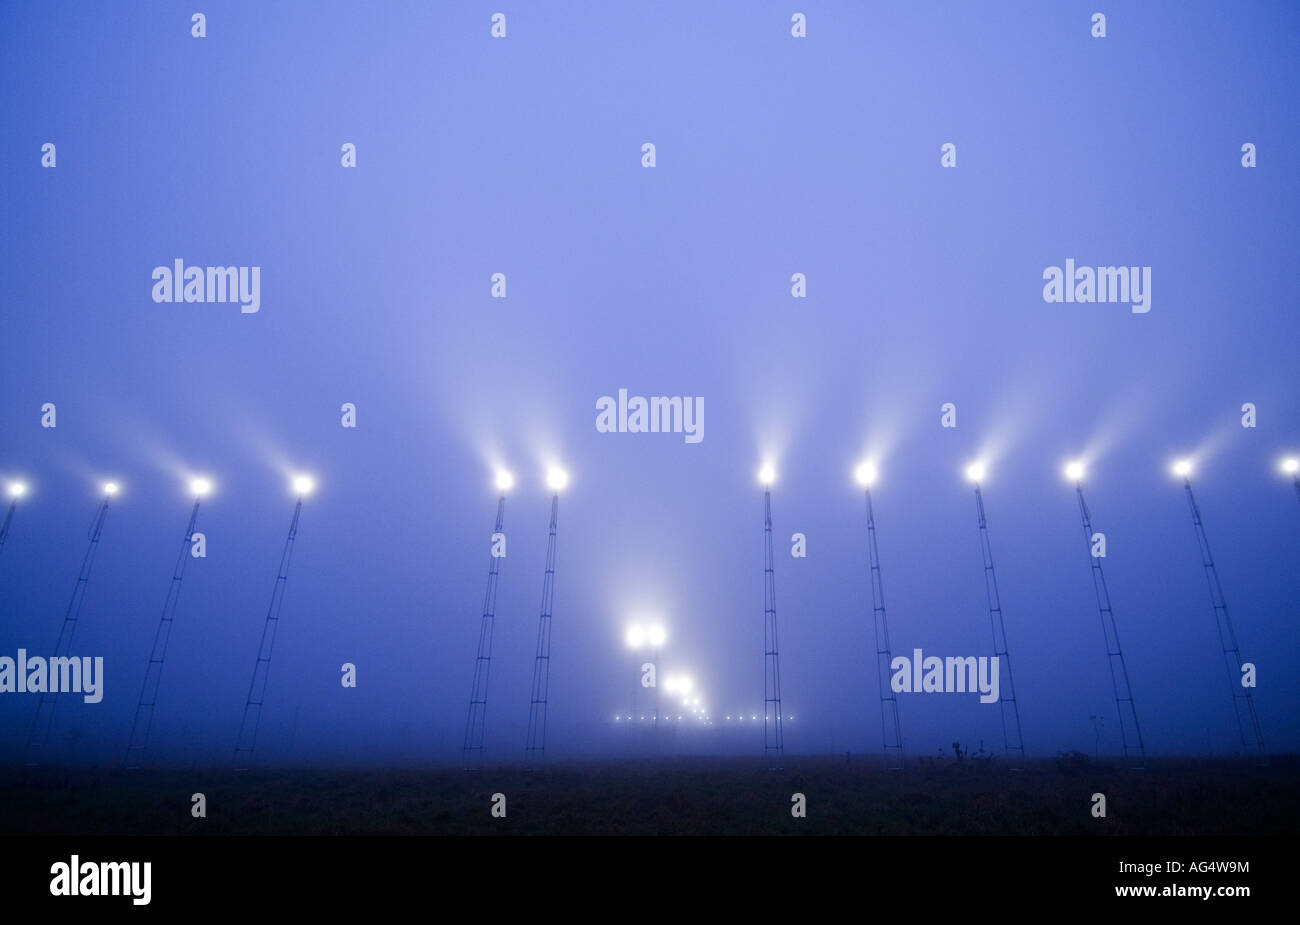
{"points": [[667, 796]]}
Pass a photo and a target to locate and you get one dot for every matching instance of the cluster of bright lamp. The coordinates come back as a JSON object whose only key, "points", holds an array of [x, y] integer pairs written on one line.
{"points": [[637, 636], [556, 479], [201, 486], [303, 484], [1074, 470]]}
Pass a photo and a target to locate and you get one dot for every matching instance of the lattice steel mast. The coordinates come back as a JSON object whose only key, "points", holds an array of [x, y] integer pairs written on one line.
{"points": [[1129, 729], [1011, 737], [1242, 701], [891, 730], [773, 737], [138, 744], [14, 493], [477, 716], [252, 718], [535, 747], [43, 719]]}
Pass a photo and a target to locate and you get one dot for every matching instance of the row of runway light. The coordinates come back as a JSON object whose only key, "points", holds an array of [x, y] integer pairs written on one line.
{"points": [[200, 487], [866, 474], [701, 717], [302, 485], [557, 479]]}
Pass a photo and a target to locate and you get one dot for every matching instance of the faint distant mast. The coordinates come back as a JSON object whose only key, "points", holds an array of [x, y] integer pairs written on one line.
{"points": [[891, 729], [138, 743], [252, 718], [1129, 730], [476, 719], [535, 746], [38, 733], [1243, 703], [773, 736], [1011, 736]]}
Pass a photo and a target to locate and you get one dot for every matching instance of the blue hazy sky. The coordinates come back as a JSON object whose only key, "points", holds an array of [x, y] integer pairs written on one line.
{"points": [[774, 156]]}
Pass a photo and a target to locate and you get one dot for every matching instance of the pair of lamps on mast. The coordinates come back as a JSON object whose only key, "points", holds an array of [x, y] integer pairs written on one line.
{"points": [[865, 473], [556, 479], [637, 636]]}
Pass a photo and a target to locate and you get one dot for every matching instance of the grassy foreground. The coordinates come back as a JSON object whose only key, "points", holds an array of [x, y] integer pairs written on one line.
{"points": [[730, 796]]}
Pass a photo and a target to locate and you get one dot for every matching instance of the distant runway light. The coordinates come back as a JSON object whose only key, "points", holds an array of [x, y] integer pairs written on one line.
{"points": [[1074, 471], [657, 636], [201, 487], [1183, 468], [556, 478], [865, 474], [1291, 465], [111, 488], [635, 637], [304, 484], [505, 481], [976, 471], [17, 489]]}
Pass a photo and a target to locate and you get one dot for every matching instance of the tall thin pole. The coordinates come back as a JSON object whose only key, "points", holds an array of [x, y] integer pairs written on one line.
{"points": [[9, 517], [252, 718], [476, 719], [43, 719], [656, 697], [1129, 730], [1242, 701], [773, 739], [891, 730], [1011, 738], [138, 744], [636, 682], [536, 744]]}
